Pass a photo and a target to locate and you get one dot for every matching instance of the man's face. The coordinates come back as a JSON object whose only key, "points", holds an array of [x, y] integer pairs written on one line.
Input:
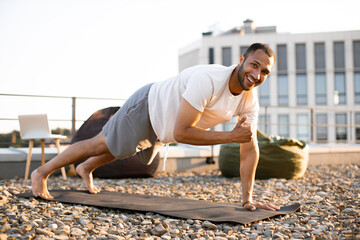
{"points": [[254, 69]]}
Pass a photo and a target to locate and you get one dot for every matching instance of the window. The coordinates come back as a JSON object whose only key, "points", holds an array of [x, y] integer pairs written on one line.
{"points": [[226, 56], [340, 121], [339, 66], [320, 64], [320, 74], [283, 89], [211, 56], [339, 56], [283, 128], [302, 127], [357, 86], [340, 87], [281, 56], [356, 54], [357, 127], [321, 127], [320, 88], [264, 93], [300, 52], [243, 49], [283, 92], [301, 89], [301, 81], [264, 121]]}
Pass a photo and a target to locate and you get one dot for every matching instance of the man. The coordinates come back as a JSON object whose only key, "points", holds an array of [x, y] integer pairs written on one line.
{"points": [[180, 109]]}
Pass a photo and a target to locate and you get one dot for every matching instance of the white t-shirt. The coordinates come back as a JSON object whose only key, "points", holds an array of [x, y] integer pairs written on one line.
{"points": [[206, 88]]}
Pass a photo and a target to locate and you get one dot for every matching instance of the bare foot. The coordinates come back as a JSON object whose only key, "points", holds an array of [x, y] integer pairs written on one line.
{"points": [[39, 187], [87, 178]]}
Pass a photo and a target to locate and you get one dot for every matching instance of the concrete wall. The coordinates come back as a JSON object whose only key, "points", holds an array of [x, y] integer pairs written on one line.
{"points": [[183, 158]]}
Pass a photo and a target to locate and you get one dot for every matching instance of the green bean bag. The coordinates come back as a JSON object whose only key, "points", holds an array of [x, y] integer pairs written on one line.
{"points": [[279, 158]]}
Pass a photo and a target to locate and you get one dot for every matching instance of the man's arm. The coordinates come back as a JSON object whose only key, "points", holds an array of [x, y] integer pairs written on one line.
{"points": [[186, 131], [249, 157]]}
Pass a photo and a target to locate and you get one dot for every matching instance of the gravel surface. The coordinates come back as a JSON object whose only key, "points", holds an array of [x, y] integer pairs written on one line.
{"points": [[329, 195]]}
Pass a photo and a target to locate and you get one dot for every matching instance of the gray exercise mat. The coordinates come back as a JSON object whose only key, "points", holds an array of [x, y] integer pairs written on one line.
{"points": [[174, 207]]}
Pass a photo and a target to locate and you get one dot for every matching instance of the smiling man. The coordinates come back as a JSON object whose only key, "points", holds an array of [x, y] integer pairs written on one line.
{"points": [[179, 109]]}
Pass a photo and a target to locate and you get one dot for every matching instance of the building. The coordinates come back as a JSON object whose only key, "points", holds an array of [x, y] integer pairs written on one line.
{"points": [[313, 92]]}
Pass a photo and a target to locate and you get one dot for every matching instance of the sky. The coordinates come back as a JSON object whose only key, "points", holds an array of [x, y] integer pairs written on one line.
{"points": [[110, 48]]}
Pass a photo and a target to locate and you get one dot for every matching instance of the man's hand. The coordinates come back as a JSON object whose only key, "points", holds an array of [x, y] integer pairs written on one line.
{"points": [[242, 131], [253, 205]]}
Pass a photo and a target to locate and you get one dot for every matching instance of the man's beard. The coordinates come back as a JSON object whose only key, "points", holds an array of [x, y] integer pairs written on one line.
{"points": [[241, 78]]}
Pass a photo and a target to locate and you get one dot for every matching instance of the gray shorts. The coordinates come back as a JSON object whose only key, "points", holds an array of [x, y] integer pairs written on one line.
{"points": [[129, 131]]}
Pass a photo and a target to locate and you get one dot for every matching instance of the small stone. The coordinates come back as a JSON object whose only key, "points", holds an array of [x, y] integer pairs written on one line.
{"points": [[341, 207], [3, 199], [219, 238], [268, 233], [23, 218], [316, 232], [349, 211], [166, 237], [174, 231], [84, 221], [146, 222], [42, 231], [61, 237], [321, 227], [11, 215], [158, 230], [26, 227], [190, 221], [322, 194], [112, 236], [220, 234], [209, 225], [65, 229], [5, 227], [3, 236], [77, 232], [34, 224], [253, 236], [7, 194], [278, 236], [53, 226]]}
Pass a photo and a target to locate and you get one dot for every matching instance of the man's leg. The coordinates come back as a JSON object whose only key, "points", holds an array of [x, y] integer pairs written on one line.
{"points": [[81, 150], [85, 169]]}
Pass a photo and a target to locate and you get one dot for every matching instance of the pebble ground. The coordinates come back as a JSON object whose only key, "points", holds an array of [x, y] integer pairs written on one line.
{"points": [[330, 198]]}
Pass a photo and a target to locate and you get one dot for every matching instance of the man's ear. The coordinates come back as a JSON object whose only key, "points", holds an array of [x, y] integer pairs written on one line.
{"points": [[242, 57]]}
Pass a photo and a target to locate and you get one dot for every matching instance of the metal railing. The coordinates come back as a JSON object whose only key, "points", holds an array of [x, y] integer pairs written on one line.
{"points": [[7, 100], [350, 127], [271, 125]]}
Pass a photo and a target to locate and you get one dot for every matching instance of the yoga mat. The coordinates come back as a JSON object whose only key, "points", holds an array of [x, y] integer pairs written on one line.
{"points": [[174, 207]]}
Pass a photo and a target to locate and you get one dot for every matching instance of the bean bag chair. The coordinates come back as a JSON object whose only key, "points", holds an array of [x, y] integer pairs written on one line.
{"points": [[279, 158], [125, 168]]}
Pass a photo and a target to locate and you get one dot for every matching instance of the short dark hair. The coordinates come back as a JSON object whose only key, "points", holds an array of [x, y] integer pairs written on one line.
{"points": [[262, 46]]}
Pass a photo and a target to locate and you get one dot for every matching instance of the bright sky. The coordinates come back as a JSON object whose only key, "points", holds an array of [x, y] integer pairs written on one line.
{"points": [[110, 48]]}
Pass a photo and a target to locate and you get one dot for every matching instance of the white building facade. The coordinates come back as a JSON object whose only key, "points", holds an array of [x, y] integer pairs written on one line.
{"points": [[313, 91]]}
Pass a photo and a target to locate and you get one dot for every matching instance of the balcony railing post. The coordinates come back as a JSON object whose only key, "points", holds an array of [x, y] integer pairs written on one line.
{"points": [[266, 120], [73, 119], [313, 127]]}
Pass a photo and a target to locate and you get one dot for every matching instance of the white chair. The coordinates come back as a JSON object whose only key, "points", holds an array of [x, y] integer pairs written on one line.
{"points": [[37, 127]]}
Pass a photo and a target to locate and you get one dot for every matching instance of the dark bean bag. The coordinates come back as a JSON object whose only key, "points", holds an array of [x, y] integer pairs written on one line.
{"points": [[279, 158], [125, 168]]}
